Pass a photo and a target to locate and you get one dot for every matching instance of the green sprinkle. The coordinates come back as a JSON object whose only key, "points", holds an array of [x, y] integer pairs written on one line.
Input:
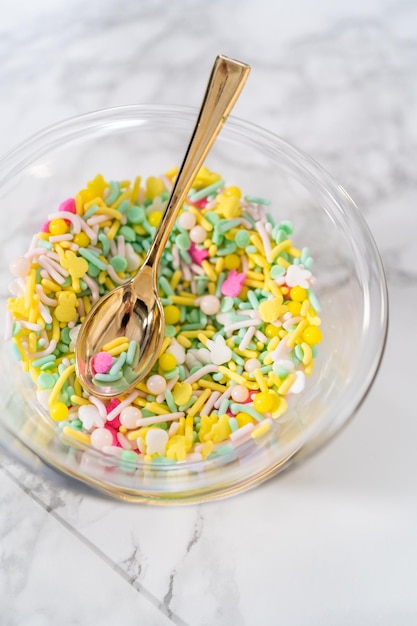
{"points": [[128, 460], [251, 249], [257, 200], [114, 192], [123, 206], [90, 212], [277, 271], [118, 263], [242, 238], [224, 405], [244, 408], [131, 352], [229, 248], [227, 304], [16, 329], [314, 300], [107, 378], [183, 241], [253, 299], [186, 406], [287, 226], [93, 270], [44, 243], [233, 424], [172, 373], [223, 226], [46, 381], [199, 195], [185, 257], [105, 243], [44, 359], [164, 284], [128, 233], [92, 258], [136, 214], [299, 352], [212, 217], [118, 364], [169, 399], [170, 331]]}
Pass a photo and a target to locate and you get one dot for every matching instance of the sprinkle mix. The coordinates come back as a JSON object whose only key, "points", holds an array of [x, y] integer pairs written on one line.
{"points": [[241, 318]]}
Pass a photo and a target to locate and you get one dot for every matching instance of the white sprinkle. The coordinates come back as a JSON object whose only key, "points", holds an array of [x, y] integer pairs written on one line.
{"points": [[119, 408], [207, 369], [242, 324], [247, 338], [156, 419]]}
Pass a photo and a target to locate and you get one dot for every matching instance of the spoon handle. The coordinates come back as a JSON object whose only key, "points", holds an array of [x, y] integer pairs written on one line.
{"points": [[223, 89]]}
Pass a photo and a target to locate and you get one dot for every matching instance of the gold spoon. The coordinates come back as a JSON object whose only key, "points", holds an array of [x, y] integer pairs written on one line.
{"points": [[134, 309]]}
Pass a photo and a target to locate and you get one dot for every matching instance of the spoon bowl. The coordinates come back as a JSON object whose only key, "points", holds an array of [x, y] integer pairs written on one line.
{"points": [[134, 310], [124, 312]]}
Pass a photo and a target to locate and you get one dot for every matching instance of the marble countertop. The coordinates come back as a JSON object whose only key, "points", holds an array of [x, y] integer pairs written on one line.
{"points": [[334, 541]]}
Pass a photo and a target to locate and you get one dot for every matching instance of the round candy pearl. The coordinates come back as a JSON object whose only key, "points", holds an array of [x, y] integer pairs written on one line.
{"points": [[240, 393], [20, 266], [101, 437], [156, 384], [198, 234], [129, 416], [252, 364], [210, 305], [187, 221]]}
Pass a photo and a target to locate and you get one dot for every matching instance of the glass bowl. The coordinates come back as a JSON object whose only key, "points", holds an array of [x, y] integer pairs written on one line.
{"points": [[147, 140]]}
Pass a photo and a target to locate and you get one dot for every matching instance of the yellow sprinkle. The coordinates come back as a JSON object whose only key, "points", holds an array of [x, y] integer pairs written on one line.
{"points": [[282, 407], [260, 380], [123, 347], [207, 449], [183, 341], [293, 336], [199, 403], [189, 423], [72, 433], [79, 204], [104, 210], [219, 265], [232, 375], [209, 270], [142, 387], [260, 260], [304, 307], [307, 353], [181, 426], [194, 334], [109, 284], [284, 245], [142, 402], [96, 201], [275, 379], [113, 230], [249, 354], [75, 399], [286, 385], [257, 242], [208, 384], [283, 262], [134, 194], [232, 366], [308, 370], [165, 344], [273, 344], [200, 218], [136, 434], [175, 279], [187, 301], [211, 288], [203, 338], [49, 285], [295, 252], [254, 283], [59, 383], [123, 196], [77, 387], [159, 409], [114, 343], [260, 430], [212, 250], [55, 329]]}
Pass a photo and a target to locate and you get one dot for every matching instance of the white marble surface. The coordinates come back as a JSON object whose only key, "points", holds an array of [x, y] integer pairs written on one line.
{"points": [[333, 542]]}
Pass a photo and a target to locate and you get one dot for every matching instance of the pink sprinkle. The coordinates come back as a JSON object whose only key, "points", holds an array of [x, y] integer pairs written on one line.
{"points": [[233, 284], [68, 205], [45, 227], [201, 204], [115, 423], [197, 255], [101, 362], [114, 402]]}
